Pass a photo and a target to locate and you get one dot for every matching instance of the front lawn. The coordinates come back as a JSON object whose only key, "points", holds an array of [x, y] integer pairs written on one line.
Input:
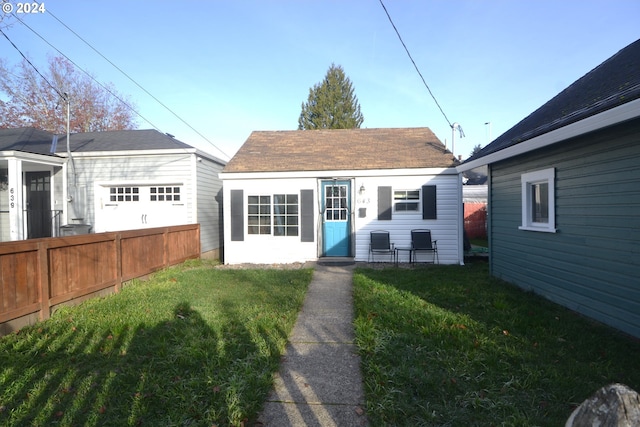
{"points": [[451, 346], [193, 346]]}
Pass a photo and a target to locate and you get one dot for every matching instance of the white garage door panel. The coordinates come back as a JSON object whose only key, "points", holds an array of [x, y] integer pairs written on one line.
{"points": [[129, 207]]}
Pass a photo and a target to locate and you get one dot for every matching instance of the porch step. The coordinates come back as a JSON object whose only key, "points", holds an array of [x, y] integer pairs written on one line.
{"points": [[336, 261]]}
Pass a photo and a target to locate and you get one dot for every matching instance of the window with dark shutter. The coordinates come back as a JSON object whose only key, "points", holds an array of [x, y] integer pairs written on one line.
{"points": [[429, 202], [385, 203]]}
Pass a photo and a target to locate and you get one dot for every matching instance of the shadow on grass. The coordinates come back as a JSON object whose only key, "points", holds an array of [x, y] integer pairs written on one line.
{"points": [[448, 345], [178, 372]]}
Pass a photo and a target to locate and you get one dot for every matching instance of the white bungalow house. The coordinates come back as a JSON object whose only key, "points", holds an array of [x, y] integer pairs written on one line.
{"points": [[106, 181], [296, 196]]}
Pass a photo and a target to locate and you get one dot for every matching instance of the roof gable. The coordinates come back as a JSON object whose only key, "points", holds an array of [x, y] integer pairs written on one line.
{"points": [[613, 83], [340, 149]]}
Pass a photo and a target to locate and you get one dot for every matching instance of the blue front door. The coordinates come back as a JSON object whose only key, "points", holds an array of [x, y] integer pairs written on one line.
{"points": [[336, 228]]}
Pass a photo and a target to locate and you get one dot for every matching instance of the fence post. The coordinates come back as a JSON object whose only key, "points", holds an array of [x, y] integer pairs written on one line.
{"points": [[44, 280], [118, 247], [165, 240]]}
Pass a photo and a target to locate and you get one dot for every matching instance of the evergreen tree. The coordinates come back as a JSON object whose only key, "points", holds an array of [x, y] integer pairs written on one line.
{"points": [[476, 149], [331, 104]]}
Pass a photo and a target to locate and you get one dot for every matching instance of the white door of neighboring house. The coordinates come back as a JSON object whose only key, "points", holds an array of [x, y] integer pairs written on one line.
{"points": [[129, 207]]}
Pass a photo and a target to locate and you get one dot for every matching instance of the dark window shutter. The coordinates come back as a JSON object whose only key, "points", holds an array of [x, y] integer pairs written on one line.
{"points": [[237, 215], [306, 216], [384, 203], [429, 205]]}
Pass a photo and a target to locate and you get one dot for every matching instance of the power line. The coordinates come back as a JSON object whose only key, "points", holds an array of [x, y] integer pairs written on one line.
{"points": [[135, 82], [87, 73], [414, 64], [32, 66]]}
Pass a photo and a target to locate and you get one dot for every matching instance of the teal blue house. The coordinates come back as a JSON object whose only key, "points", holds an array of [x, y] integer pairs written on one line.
{"points": [[564, 196]]}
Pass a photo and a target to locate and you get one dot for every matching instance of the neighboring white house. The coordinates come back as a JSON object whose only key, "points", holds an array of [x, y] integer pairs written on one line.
{"points": [[295, 196], [106, 181]]}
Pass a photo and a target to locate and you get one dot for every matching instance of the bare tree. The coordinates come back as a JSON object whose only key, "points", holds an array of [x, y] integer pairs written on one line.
{"points": [[28, 98]]}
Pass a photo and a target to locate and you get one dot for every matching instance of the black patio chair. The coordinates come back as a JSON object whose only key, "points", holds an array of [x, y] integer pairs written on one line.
{"points": [[421, 242], [380, 244]]}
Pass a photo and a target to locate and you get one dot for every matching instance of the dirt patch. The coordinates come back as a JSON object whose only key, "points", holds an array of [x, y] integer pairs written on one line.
{"points": [[245, 266], [312, 264]]}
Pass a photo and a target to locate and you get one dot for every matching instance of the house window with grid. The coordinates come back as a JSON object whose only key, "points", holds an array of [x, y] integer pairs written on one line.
{"points": [[259, 214], [124, 194], [164, 194], [406, 201], [285, 215]]}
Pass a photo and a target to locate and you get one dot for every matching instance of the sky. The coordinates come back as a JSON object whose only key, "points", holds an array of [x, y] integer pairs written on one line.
{"points": [[222, 69]]}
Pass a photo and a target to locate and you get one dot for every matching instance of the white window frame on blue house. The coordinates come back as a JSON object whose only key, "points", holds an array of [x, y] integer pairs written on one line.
{"points": [[533, 186]]}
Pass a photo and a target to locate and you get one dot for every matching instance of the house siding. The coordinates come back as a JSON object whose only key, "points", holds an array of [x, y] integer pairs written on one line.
{"points": [[136, 169], [241, 247], [591, 263], [209, 205], [445, 229]]}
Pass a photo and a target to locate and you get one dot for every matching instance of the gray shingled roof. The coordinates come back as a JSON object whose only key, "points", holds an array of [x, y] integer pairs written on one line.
{"points": [[29, 140], [37, 141], [614, 82], [120, 140], [340, 149]]}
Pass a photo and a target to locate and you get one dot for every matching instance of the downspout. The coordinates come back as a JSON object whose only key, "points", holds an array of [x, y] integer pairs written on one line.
{"points": [[490, 215], [460, 220]]}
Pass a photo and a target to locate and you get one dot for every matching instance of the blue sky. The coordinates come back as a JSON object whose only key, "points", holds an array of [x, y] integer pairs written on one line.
{"points": [[230, 67]]}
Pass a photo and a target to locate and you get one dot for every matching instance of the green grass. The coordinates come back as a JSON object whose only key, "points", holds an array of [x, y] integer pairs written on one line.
{"points": [[451, 346], [193, 346], [480, 242]]}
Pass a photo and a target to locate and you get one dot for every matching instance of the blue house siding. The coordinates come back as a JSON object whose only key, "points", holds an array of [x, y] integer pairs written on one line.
{"points": [[591, 264]]}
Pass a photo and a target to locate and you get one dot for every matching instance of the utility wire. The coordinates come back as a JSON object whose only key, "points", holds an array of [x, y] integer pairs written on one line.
{"points": [[414, 64], [135, 82], [87, 73], [33, 66]]}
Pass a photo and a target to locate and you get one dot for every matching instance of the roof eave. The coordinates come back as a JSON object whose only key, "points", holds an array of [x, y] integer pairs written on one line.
{"points": [[129, 153], [339, 173], [27, 156], [615, 115]]}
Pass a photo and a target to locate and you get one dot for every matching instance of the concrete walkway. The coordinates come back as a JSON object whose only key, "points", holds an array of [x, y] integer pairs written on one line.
{"points": [[319, 383]]}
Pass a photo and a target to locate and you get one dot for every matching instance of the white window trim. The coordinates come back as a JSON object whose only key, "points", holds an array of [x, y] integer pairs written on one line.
{"points": [[527, 180], [417, 201], [272, 216]]}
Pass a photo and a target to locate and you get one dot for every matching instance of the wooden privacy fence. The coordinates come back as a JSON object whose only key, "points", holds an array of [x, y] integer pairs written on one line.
{"points": [[36, 275]]}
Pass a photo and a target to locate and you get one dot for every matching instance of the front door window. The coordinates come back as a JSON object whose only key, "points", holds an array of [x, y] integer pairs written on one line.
{"points": [[336, 203]]}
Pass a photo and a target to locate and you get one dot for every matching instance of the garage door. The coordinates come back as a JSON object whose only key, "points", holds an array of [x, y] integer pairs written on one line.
{"points": [[129, 207]]}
